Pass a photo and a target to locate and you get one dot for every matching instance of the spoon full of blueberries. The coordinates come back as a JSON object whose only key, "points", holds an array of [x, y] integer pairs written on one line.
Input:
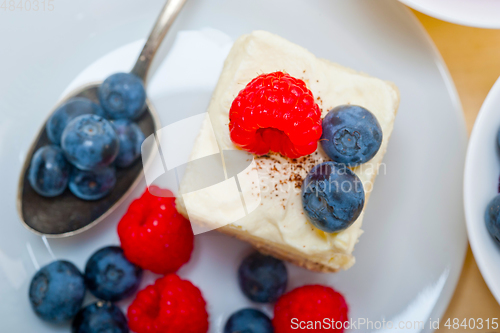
{"points": [[86, 157]]}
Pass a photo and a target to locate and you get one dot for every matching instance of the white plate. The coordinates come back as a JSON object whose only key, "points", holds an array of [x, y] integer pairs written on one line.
{"points": [[474, 13], [482, 169], [411, 254]]}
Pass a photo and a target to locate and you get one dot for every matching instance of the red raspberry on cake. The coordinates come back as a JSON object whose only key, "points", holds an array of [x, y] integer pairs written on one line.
{"points": [[302, 308], [275, 112], [154, 235], [171, 305]]}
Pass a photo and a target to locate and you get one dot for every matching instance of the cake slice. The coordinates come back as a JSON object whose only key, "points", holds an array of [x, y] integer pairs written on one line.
{"points": [[274, 222]]}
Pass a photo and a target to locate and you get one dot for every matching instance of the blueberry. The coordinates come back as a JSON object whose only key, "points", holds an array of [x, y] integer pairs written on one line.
{"points": [[122, 96], [262, 278], [92, 185], [248, 321], [332, 197], [131, 138], [100, 317], [351, 135], [49, 171], [492, 218], [90, 142], [68, 111], [110, 276], [56, 292]]}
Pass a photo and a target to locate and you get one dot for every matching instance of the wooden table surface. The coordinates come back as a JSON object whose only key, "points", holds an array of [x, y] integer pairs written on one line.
{"points": [[473, 59]]}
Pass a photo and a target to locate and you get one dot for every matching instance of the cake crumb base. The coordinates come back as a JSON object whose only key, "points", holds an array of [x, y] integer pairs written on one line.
{"points": [[277, 252]]}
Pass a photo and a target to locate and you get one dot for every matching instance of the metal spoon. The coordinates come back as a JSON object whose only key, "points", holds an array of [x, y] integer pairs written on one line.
{"points": [[66, 215]]}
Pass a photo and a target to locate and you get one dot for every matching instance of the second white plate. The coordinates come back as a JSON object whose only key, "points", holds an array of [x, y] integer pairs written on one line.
{"points": [[481, 186]]}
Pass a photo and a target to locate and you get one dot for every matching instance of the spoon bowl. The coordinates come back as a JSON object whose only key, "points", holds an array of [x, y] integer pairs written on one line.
{"points": [[67, 215]]}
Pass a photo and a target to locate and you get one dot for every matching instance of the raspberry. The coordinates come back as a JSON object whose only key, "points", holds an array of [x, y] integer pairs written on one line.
{"points": [[275, 112], [171, 305], [308, 305], [154, 235]]}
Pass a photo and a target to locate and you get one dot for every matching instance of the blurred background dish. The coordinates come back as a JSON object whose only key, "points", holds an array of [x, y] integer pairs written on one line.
{"points": [[481, 184], [474, 13]]}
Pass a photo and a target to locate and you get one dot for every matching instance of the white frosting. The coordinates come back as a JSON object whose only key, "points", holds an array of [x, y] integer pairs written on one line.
{"points": [[279, 217]]}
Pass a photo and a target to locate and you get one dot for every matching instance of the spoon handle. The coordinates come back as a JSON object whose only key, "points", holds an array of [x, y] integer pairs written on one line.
{"points": [[163, 23]]}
